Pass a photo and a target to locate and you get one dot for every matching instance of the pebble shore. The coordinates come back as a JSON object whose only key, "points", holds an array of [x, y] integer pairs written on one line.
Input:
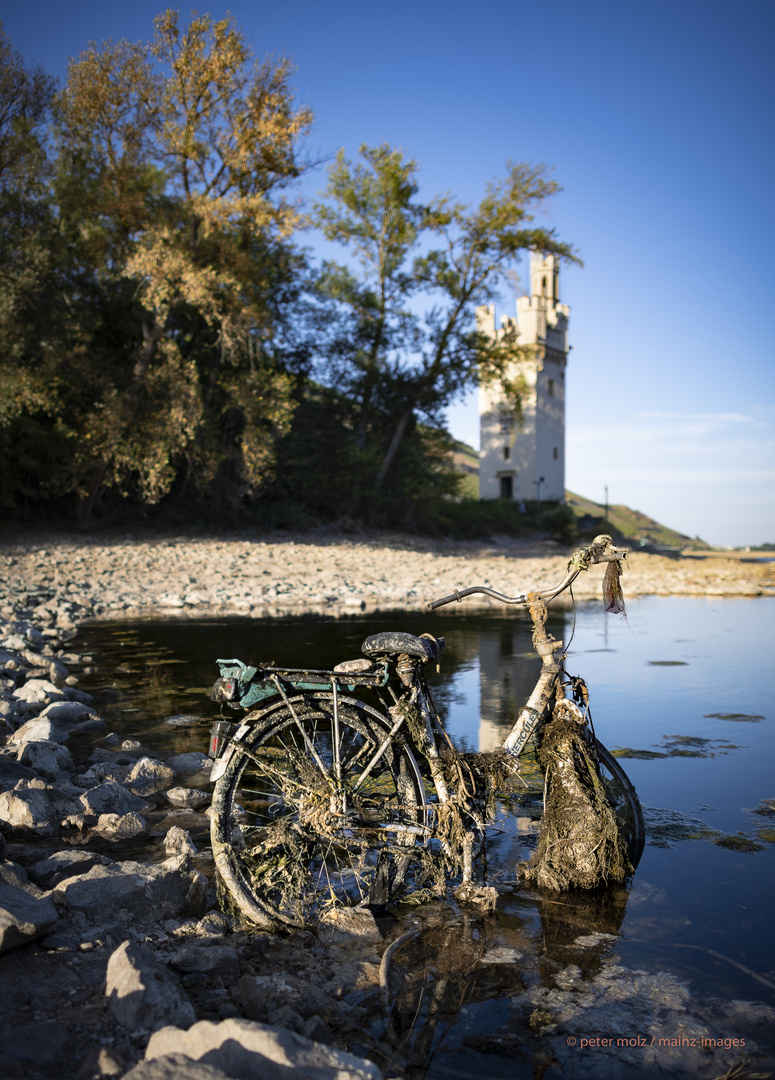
{"points": [[65, 580]]}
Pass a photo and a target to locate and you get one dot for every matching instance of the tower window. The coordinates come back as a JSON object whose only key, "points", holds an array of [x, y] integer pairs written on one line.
{"points": [[556, 453], [507, 453], [551, 388]]}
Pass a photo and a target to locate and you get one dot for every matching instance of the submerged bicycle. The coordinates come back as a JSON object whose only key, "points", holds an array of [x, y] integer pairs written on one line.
{"points": [[322, 799]]}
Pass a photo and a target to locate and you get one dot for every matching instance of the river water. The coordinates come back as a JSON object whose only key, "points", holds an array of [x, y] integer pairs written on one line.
{"points": [[682, 690]]}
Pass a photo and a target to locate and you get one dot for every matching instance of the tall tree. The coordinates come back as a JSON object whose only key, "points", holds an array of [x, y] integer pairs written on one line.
{"points": [[172, 184], [371, 209], [443, 259]]}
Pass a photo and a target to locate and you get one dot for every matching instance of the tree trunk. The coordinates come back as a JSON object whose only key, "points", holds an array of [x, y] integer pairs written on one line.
{"points": [[392, 449]]}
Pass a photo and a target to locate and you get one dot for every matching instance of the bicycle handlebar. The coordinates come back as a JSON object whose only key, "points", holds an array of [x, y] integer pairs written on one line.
{"points": [[600, 550]]}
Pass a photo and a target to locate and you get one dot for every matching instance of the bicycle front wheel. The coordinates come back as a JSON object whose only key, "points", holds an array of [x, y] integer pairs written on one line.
{"points": [[624, 801], [318, 808]]}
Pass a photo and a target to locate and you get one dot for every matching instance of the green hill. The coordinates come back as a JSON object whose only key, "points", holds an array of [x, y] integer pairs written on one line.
{"points": [[631, 524]]}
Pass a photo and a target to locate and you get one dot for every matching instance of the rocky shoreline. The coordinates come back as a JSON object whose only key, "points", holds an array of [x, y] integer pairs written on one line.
{"points": [[116, 967]]}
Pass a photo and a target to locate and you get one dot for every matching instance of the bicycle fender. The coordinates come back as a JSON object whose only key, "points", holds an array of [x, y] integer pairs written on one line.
{"points": [[219, 766]]}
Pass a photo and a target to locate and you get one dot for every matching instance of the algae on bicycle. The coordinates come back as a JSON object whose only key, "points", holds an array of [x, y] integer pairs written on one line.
{"points": [[323, 799]]}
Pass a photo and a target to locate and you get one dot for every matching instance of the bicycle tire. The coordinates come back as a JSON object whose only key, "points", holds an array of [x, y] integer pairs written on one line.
{"points": [[291, 840], [625, 802]]}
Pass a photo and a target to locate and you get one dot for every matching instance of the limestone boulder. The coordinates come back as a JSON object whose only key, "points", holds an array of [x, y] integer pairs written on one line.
{"points": [[28, 810], [190, 798], [48, 759], [245, 1050], [143, 890], [178, 842], [74, 714], [175, 1067], [38, 729], [341, 925], [102, 771], [148, 777], [260, 995], [110, 798], [206, 959], [120, 826], [142, 993], [23, 917], [37, 690], [48, 872], [187, 764], [11, 772]]}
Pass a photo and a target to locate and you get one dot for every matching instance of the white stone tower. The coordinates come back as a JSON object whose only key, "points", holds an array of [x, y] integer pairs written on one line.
{"points": [[527, 461]]}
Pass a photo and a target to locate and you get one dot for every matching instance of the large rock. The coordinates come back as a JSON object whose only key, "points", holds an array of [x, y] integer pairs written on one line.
{"points": [[28, 810], [8, 713], [175, 1067], [259, 996], [149, 891], [49, 759], [54, 868], [102, 771], [246, 1050], [40, 729], [143, 994], [111, 798], [189, 798], [341, 925], [71, 713], [179, 842], [148, 777], [186, 764], [35, 690], [23, 917], [120, 826]]}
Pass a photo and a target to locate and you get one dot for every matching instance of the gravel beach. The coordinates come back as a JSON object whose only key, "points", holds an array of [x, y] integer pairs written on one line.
{"points": [[63, 579]]}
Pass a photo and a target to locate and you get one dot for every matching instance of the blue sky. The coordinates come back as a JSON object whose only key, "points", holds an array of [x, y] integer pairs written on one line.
{"points": [[657, 120]]}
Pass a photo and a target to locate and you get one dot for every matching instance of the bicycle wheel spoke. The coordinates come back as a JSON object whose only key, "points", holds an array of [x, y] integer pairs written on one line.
{"points": [[307, 842]]}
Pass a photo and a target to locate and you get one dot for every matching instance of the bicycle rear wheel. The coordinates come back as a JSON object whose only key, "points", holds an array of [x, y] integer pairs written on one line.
{"points": [[305, 817], [625, 803]]}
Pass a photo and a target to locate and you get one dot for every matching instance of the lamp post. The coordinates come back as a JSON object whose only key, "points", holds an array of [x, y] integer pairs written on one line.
{"points": [[538, 496]]}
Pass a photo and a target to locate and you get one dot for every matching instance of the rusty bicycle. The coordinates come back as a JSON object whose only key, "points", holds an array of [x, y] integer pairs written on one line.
{"points": [[324, 799]]}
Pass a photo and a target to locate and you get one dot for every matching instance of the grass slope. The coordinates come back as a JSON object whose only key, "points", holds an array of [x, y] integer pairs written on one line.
{"points": [[632, 524]]}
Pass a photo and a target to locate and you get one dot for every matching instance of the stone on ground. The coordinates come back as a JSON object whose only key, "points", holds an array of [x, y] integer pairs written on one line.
{"points": [[142, 993], [246, 1050]]}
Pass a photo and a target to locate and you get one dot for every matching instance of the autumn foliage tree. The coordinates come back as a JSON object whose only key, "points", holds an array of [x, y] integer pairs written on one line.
{"points": [[172, 160]]}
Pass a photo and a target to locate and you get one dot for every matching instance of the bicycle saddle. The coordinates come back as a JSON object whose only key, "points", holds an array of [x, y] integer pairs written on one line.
{"points": [[395, 641]]}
